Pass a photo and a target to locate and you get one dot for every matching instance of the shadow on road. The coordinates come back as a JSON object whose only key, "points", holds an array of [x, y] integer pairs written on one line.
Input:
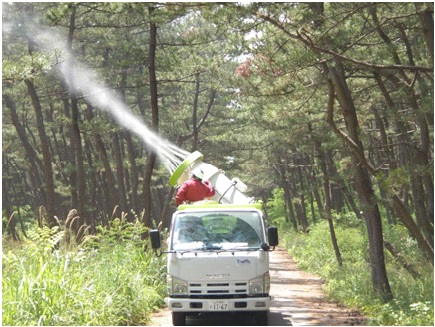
{"points": [[221, 319], [235, 319], [279, 319]]}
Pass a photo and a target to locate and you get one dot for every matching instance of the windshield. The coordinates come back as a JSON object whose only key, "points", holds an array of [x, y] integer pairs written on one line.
{"points": [[217, 230]]}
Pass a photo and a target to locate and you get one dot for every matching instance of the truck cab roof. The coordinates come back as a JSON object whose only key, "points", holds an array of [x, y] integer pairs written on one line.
{"points": [[216, 205]]}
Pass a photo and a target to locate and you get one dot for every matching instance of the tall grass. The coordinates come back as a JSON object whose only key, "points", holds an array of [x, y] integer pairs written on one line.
{"points": [[351, 283], [108, 280]]}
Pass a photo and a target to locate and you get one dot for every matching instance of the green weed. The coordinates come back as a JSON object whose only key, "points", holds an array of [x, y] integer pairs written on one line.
{"points": [[350, 283], [109, 280]]}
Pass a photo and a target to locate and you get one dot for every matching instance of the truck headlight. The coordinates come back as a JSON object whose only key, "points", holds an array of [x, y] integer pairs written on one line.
{"points": [[260, 284], [176, 286]]}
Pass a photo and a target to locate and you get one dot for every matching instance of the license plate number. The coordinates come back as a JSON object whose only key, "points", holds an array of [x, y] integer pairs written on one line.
{"points": [[218, 305]]}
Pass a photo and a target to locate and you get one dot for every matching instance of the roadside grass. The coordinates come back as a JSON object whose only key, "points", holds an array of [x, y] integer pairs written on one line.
{"points": [[107, 280], [350, 284]]}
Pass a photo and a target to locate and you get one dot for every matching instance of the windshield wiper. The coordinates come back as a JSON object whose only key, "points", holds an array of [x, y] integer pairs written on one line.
{"points": [[200, 248], [240, 248], [188, 251], [217, 248]]}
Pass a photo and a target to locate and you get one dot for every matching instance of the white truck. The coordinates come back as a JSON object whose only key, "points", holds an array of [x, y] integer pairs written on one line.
{"points": [[218, 258]]}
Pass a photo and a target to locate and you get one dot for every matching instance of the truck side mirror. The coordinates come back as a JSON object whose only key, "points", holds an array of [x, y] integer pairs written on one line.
{"points": [[272, 235], [155, 239]]}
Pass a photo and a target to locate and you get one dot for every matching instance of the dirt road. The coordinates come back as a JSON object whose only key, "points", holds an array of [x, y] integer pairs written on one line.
{"points": [[297, 300]]}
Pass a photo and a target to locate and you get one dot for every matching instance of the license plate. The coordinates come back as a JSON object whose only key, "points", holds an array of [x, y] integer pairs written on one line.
{"points": [[218, 305]]}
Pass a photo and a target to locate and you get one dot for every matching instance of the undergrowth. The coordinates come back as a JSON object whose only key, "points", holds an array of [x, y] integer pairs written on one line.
{"points": [[350, 283], [106, 280]]}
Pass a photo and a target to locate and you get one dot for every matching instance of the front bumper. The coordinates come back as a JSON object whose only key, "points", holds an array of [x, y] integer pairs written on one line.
{"points": [[218, 305]]}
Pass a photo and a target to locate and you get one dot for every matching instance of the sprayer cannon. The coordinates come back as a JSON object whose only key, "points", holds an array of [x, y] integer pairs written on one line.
{"points": [[227, 191]]}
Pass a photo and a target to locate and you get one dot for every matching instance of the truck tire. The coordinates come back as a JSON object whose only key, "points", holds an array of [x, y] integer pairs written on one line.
{"points": [[178, 319], [262, 318]]}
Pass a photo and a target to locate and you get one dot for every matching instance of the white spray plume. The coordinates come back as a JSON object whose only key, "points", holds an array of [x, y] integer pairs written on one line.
{"points": [[83, 81]]}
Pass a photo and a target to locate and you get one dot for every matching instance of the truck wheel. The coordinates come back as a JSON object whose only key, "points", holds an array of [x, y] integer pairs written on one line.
{"points": [[178, 319], [262, 318]]}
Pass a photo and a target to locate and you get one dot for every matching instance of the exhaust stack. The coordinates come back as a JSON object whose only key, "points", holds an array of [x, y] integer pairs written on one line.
{"points": [[227, 191]]}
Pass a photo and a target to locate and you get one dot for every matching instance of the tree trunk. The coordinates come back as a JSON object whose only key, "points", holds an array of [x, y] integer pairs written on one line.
{"points": [[72, 176], [122, 194], [79, 163], [341, 185], [155, 117], [412, 227], [363, 184], [50, 202], [165, 217], [195, 114], [109, 191], [396, 254], [93, 183], [134, 198], [6, 203], [77, 140], [303, 217], [35, 163], [390, 161], [328, 205], [287, 193], [147, 189], [427, 24]]}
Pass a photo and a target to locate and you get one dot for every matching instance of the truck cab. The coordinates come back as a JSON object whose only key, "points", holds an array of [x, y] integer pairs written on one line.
{"points": [[218, 260]]}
